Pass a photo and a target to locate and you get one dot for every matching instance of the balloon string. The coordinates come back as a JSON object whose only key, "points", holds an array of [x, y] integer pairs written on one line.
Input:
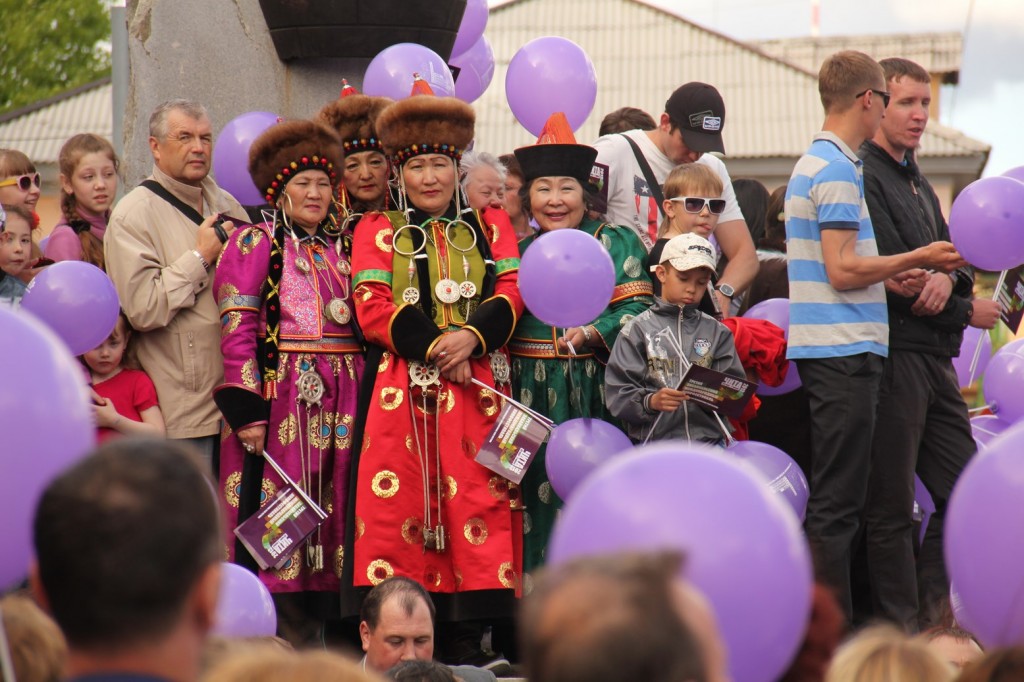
{"points": [[980, 409], [981, 337]]}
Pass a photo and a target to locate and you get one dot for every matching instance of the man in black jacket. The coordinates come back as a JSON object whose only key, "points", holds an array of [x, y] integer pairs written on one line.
{"points": [[922, 422]]}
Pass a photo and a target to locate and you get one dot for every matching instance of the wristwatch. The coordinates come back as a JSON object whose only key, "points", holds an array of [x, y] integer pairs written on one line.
{"points": [[726, 290]]}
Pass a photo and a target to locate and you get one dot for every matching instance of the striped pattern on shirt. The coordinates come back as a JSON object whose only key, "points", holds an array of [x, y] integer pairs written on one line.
{"points": [[826, 191]]}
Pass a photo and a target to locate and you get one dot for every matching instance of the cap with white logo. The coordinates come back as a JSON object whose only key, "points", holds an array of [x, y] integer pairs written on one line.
{"points": [[688, 252], [699, 112]]}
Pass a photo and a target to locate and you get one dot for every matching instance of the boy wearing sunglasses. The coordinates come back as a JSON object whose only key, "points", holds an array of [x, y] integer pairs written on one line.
{"points": [[693, 204]]}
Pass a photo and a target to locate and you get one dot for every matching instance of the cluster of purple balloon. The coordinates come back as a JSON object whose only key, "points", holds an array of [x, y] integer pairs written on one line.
{"points": [[548, 75], [986, 221], [744, 548], [984, 521], [244, 605]]}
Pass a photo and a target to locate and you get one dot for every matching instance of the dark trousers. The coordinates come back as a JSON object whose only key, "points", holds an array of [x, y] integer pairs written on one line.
{"points": [[842, 393], [922, 424]]}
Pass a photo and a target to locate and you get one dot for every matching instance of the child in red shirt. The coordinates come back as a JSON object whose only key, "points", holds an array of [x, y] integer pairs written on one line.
{"points": [[124, 399]]}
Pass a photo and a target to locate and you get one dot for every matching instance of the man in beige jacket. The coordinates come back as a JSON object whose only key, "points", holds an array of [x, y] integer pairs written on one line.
{"points": [[160, 261]]}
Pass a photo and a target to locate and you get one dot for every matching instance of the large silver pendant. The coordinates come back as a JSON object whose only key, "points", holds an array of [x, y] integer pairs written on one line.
{"points": [[447, 291], [344, 267], [302, 264], [338, 311], [423, 374], [499, 368], [311, 387], [411, 295]]}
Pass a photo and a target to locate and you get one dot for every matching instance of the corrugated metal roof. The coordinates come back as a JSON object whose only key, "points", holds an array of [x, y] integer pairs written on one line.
{"points": [[938, 53], [39, 130], [642, 53]]}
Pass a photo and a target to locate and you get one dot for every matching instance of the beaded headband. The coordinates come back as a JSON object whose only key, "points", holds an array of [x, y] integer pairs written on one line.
{"points": [[362, 144], [296, 167], [403, 155]]}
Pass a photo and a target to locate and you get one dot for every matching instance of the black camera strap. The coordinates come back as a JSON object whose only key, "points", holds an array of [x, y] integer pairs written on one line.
{"points": [[186, 210]]}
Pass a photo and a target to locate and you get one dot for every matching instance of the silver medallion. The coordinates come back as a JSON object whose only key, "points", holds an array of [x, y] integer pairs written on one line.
{"points": [[344, 267], [447, 291], [302, 264], [499, 368], [423, 374], [467, 289], [411, 295], [338, 311], [311, 387]]}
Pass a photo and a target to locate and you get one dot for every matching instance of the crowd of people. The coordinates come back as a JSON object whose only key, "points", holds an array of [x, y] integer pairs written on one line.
{"points": [[363, 328]]}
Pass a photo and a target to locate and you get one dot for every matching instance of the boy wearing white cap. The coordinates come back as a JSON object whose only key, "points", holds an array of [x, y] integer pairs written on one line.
{"points": [[656, 347]]}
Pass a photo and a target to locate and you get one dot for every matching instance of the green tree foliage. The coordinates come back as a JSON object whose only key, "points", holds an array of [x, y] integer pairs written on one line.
{"points": [[49, 46]]}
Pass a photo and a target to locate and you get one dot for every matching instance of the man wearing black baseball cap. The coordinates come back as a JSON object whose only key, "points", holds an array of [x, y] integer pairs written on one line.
{"points": [[631, 168]]}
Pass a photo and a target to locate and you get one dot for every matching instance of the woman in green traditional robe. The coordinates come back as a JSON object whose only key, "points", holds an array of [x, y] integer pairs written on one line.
{"points": [[545, 376]]}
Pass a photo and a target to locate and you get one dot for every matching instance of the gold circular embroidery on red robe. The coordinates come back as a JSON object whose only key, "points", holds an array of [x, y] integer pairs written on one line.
{"points": [[409, 443], [475, 531], [339, 560], [292, 567], [385, 484], [378, 571], [515, 496], [390, 398], [360, 528], [385, 360], [506, 575], [488, 402], [383, 239], [366, 443], [363, 294], [469, 447], [452, 488], [432, 577], [449, 400], [412, 531], [497, 486]]}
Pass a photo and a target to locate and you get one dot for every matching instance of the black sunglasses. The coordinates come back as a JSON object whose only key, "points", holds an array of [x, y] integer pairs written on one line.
{"points": [[24, 182], [881, 93], [697, 204]]}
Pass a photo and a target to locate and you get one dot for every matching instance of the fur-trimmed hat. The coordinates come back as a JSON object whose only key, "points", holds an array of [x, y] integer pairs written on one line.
{"points": [[288, 148], [426, 125], [355, 118]]}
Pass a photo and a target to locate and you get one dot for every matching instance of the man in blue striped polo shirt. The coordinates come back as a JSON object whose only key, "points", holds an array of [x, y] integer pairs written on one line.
{"points": [[838, 321]]}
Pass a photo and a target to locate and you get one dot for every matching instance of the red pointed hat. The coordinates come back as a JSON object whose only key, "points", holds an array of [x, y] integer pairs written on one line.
{"points": [[346, 89], [420, 86], [557, 153]]}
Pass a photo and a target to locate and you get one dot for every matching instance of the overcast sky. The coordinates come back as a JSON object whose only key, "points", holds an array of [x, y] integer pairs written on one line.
{"points": [[989, 102]]}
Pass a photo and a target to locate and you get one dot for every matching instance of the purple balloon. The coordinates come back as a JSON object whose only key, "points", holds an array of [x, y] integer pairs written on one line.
{"points": [[744, 548], [231, 155], [46, 422], [477, 70], [776, 311], [390, 74], [566, 278], [1004, 382], [784, 476], [984, 524], [962, 363], [956, 604], [579, 447], [986, 223], [547, 75], [924, 503], [244, 605], [1015, 173], [474, 21], [985, 427], [77, 301]]}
